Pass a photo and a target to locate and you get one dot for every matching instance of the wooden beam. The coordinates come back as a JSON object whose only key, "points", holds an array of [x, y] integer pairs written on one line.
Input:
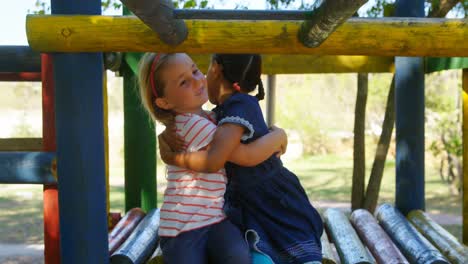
{"points": [[19, 59], [124, 228], [20, 76], [325, 19], [405, 236], [374, 237], [445, 242], [27, 167], [379, 37], [465, 156], [345, 238], [141, 243], [158, 15], [20, 144], [298, 64], [50, 194]]}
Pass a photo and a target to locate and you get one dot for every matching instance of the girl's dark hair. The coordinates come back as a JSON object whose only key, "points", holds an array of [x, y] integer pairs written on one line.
{"points": [[244, 69]]}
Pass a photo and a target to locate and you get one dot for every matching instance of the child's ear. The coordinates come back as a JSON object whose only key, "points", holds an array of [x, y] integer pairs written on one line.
{"points": [[163, 103], [216, 69]]}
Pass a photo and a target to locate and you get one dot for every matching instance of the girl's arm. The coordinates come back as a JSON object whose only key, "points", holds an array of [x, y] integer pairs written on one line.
{"points": [[254, 153], [225, 140]]}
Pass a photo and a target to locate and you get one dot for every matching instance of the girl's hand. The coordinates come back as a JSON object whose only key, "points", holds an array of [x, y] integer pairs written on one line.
{"points": [[283, 139], [174, 141]]}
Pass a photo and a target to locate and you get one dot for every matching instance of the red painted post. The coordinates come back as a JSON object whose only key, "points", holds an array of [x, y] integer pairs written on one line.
{"points": [[50, 195]]}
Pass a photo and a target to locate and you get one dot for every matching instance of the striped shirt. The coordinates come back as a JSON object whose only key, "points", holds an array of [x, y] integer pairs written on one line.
{"points": [[192, 199]]}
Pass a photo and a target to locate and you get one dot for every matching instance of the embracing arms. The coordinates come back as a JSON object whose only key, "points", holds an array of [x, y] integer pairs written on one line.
{"points": [[224, 147]]}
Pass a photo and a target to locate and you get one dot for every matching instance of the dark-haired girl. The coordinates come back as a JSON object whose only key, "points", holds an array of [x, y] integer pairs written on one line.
{"points": [[266, 201]]}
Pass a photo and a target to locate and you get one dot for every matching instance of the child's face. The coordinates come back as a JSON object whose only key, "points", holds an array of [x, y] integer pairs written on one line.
{"points": [[185, 86]]}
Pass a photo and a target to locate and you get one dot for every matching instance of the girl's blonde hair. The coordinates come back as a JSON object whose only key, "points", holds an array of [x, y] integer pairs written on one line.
{"points": [[148, 97]]}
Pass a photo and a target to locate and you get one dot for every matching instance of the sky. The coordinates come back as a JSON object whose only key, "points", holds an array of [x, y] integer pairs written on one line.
{"points": [[12, 18]]}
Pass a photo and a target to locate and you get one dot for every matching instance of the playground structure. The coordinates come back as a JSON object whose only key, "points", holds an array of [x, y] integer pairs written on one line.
{"points": [[80, 99]]}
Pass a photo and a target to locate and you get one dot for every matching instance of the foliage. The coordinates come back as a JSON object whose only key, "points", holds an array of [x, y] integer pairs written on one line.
{"points": [[387, 8], [190, 4], [448, 127], [448, 148], [379, 9]]}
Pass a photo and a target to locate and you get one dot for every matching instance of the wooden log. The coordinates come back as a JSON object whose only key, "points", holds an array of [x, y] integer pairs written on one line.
{"points": [[346, 241], [325, 19], [465, 154], [298, 64], [27, 167], [158, 15], [141, 243], [241, 14], [20, 144], [411, 243], [19, 59], [327, 251], [445, 242], [124, 228], [20, 76], [380, 37], [375, 238], [50, 193]]}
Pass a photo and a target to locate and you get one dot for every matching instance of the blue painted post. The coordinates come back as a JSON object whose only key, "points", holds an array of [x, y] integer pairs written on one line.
{"points": [[80, 147], [409, 121]]}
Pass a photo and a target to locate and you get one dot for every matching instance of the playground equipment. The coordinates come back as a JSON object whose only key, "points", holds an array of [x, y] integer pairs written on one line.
{"points": [[370, 246], [79, 97]]}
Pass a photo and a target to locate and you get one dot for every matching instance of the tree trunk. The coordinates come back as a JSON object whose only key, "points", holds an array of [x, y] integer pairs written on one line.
{"points": [[442, 7], [375, 179], [359, 154]]}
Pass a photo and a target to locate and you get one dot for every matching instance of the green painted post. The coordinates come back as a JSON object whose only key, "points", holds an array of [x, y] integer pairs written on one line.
{"points": [[140, 146]]}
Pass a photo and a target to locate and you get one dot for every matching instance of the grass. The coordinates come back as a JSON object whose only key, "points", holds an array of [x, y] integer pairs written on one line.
{"points": [[325, 178]]}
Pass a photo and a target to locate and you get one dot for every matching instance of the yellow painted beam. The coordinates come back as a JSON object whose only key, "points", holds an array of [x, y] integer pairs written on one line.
{"points": [[465, 155], [358, 36], [302, 64]]}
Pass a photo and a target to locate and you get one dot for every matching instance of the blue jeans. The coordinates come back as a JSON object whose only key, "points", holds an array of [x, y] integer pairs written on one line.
{"points": [[219, 243]]}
